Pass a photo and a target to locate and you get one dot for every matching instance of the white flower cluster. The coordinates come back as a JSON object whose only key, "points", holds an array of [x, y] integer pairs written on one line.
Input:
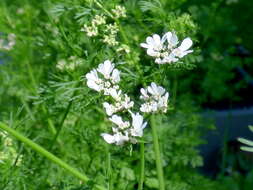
{"points": [[8, 153], [166, 49], [92, 30], [119, 11], [105, 79], [7, 44], [71, 64], [155, 97], [124, 132], [107, 32]]}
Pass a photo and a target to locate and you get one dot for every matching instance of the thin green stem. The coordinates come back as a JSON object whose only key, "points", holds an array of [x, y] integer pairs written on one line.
{"points": [[102, 7], [47, 154], [109, 170], [61, 125], [175, 86], [142, 166], [157, 154]]}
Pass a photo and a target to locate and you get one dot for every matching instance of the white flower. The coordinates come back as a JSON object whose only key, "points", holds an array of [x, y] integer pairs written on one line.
{"points": [[116, 95], [98, 20], [7, 44], [144, 93], [90, 30], [171, 39], [156, 91], [112, 28], [165, 49], [119, 122], [119, 11], [117, 138], [127, 103], [108, 138], [110, 109], [137, 125], [115, 76], [182, 50], [155, 97], [154, 45], [106, 68], [93, 81], [110, 40]]}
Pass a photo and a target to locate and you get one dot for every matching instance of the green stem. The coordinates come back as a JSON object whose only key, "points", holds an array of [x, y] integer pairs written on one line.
{"points": [[142, 164], [175, 86], [102, 7], [60, 125], [109, 170], [47, 154], [157, 154]]}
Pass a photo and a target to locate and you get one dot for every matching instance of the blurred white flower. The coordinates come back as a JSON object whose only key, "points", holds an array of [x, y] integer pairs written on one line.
{"points": [[110, 40], [93, 81], [117, 138], [7, 44], [137, 125], [98, 20], [182, 50], [155, 99], [165, 49], [116, 95], [154, 45], [90, 30], [109, 108], [106, 68], [119, 11], [119, 122]]}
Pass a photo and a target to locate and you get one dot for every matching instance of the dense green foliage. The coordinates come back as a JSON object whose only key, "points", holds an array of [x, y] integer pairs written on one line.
{"points": [[53, 106]]}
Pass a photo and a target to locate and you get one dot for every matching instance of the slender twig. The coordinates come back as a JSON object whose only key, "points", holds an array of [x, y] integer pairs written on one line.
{"points": [[142, 166], [157, 154]]}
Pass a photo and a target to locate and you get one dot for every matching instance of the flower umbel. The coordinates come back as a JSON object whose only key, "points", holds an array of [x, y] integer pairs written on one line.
{"points": [[155, 99], [165, 49], [124, 132]]}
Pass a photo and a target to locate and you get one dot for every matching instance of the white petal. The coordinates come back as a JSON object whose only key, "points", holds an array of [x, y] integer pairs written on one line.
{"points": [[150, 40], [166, 36], [186, 44], [116, 75], [160, 90], [91, 84], [144, 45], [174, 40], [152, 53], [108, 138], [157, 39], [108, 108], [108, 67], [92, 75], [115, 94], [116, 119]]}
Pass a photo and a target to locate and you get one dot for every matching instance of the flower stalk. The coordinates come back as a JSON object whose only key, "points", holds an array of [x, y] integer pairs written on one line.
{"points": [[47, 154], [142, 166], [158, 158]]}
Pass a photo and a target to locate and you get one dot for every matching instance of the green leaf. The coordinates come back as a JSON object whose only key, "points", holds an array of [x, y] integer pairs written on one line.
{"points": [[245, 141], [248, 149]]}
